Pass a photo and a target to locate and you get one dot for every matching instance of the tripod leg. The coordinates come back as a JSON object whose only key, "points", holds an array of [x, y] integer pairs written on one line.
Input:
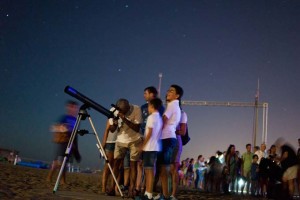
{"points": [[67, 153], [102, 152]]}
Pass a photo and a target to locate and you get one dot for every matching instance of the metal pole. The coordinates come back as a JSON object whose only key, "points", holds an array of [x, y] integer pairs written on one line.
{"points": [[159, 84], [255, 123], [266, 107], [102, 152], [263, 139]]}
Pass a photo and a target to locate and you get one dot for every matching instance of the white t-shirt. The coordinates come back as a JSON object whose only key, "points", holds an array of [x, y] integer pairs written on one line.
{"points": [[154, 121], [173, 113], [183, 120], [260, 155]]}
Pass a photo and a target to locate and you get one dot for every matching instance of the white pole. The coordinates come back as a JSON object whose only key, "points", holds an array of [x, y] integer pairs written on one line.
{"points": [[263, 127], [266, 121], [159, 84]]}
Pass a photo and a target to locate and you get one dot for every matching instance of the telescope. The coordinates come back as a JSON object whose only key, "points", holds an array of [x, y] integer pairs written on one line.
{"points": [[88, 102]]}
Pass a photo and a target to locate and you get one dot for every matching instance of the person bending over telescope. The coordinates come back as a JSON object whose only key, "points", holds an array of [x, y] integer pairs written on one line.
{"points": [[128, 139]]}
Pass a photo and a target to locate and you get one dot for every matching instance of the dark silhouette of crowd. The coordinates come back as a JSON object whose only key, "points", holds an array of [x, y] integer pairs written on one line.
{"points": [[272, 173]]}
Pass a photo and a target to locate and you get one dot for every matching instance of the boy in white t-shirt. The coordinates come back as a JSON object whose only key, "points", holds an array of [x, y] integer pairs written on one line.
{"points": [[151, 144]]}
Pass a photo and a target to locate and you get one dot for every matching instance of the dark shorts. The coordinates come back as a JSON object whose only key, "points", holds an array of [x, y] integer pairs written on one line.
{"points": [[177, 151], [165, 156], [110, 147], [60, 152], [149, 159]]}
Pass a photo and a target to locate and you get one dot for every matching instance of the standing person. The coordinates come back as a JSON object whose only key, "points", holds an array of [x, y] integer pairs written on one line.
{"points": [[171, 118], [151, 144], [298, 151], [272, 151], [181, 173], [298, 156], [108, 144], [246, 167], [190, 173], [225, 179], [254, 175], [261, 153], [199, 168], [186, 164], [62, 133], [128, 139], [232, 162], [262, 162], [175, 163], [289, 165], [274, 174], [149, 94]]}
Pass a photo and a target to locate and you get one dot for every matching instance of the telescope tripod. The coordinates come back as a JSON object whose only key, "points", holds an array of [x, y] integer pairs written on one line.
{"points": [[82, 115]]}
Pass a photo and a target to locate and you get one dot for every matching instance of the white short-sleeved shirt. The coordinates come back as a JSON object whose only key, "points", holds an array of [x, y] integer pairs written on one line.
{"points": [[183, 120], [260, 155], [173, 113], [154, 121]]}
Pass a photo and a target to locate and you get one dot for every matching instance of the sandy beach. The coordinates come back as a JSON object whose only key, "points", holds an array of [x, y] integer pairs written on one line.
{"points": [[19, 182]]}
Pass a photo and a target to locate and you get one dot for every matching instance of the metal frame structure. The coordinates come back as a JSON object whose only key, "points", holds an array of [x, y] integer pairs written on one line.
{"points": [[256, 105]]}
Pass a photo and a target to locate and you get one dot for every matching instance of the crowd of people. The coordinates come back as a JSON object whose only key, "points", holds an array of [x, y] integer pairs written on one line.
{"points": [[143, 147], [257, 172]]}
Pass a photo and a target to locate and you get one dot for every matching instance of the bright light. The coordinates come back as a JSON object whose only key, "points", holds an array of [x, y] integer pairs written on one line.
{"points": [[241, 182], [221, 159]]}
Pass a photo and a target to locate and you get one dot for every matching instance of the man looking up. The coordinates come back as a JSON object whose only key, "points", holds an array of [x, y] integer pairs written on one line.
{"points": [[171, 118]]}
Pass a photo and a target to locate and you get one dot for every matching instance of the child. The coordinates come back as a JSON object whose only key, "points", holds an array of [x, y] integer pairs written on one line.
{"points": [[254, 175], [151, 144], [190, 172], [225, 180], [181, 172]]}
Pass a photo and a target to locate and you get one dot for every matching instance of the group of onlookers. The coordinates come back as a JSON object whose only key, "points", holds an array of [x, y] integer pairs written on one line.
{"points": [[144, 144], [257, 172]]}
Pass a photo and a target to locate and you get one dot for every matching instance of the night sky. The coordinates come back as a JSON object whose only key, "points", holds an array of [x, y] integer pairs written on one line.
{"points": [[216, 50]]}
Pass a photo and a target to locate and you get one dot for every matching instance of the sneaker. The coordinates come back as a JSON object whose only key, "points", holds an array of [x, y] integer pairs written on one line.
{"points": [[145, 197], [158, 196], [172, 197]]}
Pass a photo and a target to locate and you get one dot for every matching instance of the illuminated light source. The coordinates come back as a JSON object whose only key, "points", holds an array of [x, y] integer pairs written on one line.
{"points": [[241, 182]]}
